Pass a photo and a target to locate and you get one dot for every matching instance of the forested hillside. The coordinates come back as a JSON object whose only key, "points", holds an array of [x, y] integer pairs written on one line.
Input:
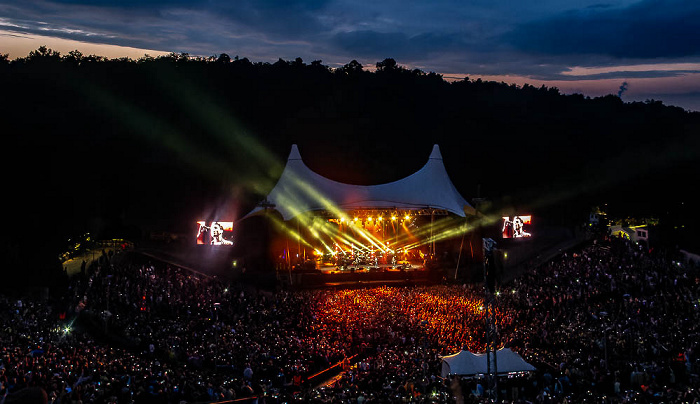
{"points": [[113, 145]]}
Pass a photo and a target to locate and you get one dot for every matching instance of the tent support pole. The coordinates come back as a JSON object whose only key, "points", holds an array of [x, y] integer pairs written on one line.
{"points": [[432, 217], [459, 256]]}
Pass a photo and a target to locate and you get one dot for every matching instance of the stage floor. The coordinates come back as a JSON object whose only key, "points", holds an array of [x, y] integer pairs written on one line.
{"points": [[370, 269]]}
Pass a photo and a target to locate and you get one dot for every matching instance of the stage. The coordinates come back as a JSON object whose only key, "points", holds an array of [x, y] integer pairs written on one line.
{"points": [[405, 267]]}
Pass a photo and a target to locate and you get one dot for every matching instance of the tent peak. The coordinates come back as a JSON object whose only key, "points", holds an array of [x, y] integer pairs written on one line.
{"points": [[294, 154], [299, 190], [435, 154]]}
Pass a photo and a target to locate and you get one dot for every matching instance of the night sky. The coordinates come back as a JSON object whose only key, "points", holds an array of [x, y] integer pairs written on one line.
{"points": [[639, 50]]}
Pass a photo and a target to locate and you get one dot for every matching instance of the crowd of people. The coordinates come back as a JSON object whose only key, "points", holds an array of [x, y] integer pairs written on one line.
{"points": [[611, 320], [608, 322]]}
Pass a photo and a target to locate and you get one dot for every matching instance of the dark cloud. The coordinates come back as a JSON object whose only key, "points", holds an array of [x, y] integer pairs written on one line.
{"points": [[625, 74], [98, 32], [649, 29], [199, 4], [396, 44], [276, 18], [599, 5], [134, 3], [371, 43]]}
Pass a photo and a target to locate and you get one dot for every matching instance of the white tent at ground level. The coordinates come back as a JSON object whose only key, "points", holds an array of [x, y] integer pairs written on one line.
{"points": [[468, 363]]}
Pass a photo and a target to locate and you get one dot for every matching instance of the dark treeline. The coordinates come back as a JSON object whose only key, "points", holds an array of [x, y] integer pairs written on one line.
{"points": [[114, 145]]}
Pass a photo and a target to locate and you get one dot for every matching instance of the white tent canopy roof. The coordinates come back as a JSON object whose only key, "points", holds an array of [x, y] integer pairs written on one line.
{"points": [[467, 363], [300, 190]]}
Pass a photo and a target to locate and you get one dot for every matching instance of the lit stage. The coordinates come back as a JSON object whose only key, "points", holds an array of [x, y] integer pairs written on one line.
{"points": [[332, 270]]}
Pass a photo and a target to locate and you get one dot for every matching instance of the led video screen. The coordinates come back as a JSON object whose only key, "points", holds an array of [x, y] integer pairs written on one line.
{"points": [[516, 227], [215, 233]]}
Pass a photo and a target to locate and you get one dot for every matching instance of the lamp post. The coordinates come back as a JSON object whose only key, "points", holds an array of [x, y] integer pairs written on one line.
{"points": [[606, 328], [489, 245]]}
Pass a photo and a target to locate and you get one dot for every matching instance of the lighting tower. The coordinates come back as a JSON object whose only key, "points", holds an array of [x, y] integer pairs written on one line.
{"points": [[489, 245]]}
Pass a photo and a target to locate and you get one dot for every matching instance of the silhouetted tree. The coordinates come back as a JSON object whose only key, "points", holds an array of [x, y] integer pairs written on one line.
{"points": [[387, 65], [223, 59], [44, 53], [352, 68]]}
